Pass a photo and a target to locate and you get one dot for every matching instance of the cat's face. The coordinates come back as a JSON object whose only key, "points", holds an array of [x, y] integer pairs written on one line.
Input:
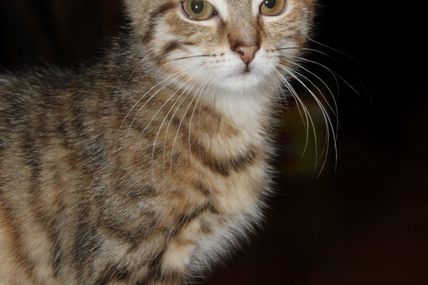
{"points": [[228, 44]]}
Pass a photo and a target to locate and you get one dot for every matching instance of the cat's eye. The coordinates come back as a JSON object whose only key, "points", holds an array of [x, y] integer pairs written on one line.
{"points": [[272, 7], [198, 10]]}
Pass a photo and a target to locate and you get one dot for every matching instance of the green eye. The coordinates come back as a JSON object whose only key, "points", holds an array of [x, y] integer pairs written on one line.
{"points": [[272, 7], [198, 10]]}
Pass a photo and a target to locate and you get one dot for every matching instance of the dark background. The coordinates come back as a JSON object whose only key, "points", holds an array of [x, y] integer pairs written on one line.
{"points": [[365, 223]]}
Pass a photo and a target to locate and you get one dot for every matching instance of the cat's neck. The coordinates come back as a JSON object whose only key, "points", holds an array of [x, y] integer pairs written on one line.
{"points": [[244, 120], [248, 108]]}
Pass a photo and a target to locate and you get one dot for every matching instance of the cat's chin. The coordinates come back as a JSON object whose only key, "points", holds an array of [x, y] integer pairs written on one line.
{"points": [[246, 79], [242, 82]]}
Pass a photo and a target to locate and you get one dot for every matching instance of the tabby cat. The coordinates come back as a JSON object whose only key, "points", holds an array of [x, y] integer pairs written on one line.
{"points": [[150, 165]]}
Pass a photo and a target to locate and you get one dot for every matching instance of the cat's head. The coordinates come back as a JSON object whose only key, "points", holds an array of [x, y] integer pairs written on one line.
{"points": [[229, 44]]}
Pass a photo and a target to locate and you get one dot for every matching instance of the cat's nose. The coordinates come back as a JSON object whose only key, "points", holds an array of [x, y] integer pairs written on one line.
{"points": [[247, 53]]}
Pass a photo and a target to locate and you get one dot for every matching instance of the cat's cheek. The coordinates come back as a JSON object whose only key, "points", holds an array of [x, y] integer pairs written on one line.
{"points": [[264, 64]]}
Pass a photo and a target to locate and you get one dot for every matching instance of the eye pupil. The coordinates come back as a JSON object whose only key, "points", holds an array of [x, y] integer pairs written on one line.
{"points": [[270, 4], [197, 7]]}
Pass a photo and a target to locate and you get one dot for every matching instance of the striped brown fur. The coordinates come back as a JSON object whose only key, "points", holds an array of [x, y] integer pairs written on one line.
{"points": [[152, 163]]}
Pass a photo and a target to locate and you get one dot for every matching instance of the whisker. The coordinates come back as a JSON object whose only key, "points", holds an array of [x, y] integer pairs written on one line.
{"points": [[315, 51], [330, 57], [335, 50], [335, 74], [327, 120], [189, 138], [138, 65], [206, 85], [178, 130], [321, 107], [188, 92], [145, 104], [280, 78], [192, 56], [158, 111], [172, 118], [334, 110], [307, 119], [164, 104], [141, 98], [285, 48], [165, 118], [170, 79]]}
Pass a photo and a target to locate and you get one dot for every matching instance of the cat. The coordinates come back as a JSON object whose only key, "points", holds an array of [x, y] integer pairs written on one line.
{"points": [[149, 166]]}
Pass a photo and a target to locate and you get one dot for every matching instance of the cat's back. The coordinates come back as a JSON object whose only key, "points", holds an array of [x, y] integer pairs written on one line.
{"points": [[41, 160], [26, 93], [31, 104]]}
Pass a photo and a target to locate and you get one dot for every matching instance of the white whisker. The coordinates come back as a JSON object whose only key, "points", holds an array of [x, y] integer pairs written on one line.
{"points": [[178, 130], [324, 113], [333, 109], [165, 118], [334, 49], [205, 86], [141, 98], [187, 93], [308, 122], [326, 117], [334, 74]]}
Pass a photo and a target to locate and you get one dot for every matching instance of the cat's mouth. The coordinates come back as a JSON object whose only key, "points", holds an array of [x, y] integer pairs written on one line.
{"points": [[247, 75], [247, 69]]}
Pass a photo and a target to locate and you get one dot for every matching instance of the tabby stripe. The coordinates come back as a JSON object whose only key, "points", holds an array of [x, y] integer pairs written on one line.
{"points": [[54, 231], [113, 273], [189, 217], [170, 47], [134, 238], [155, 266], [223, 167], [32, 155], [201, 187], [148, 36], [155, 269], [5, 126], [92, 146], [33, 160], [57, 255], [157, 276], [85, 243], [84, 234], [119, 230], [23, 260], [91, 153], [85, 237]]}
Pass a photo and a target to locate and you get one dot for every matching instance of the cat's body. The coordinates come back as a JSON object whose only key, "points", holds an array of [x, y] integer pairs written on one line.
{"points": [[137, 171]]}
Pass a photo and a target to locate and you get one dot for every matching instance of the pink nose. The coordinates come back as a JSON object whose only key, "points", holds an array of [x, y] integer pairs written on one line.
{"points": [[247, 53]]}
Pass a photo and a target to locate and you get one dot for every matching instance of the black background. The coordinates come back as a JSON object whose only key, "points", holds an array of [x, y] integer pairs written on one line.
{"points": [[365, 223]]}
